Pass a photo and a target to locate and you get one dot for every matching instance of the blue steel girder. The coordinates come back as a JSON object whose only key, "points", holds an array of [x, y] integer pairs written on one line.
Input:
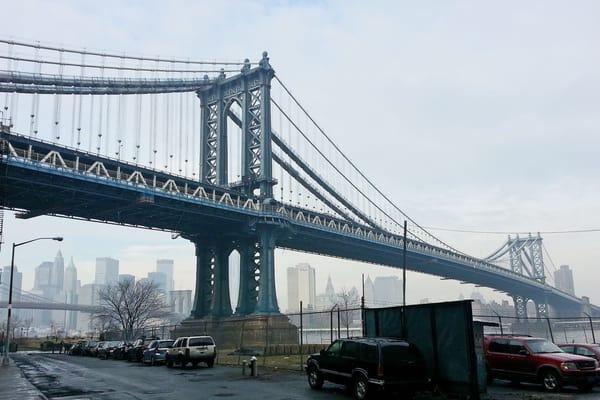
{"points": [[30, 182]]}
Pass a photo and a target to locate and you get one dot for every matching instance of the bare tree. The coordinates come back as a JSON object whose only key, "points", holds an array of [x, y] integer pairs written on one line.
{"points": [[130, 306], [347, 300]]}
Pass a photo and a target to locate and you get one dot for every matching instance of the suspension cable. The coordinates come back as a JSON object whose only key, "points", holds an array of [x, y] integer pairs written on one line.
{"points": [[109, 55], [359, 171]]}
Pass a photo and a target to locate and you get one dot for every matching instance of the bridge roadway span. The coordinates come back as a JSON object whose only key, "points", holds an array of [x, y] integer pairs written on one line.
{"points": [[41, 178], [35, 305]]}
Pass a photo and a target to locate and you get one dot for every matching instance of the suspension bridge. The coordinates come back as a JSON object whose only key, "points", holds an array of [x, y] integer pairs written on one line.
{"points": [[225, 155]]}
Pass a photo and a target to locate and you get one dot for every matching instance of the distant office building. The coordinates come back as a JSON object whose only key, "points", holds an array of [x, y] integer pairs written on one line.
{"points": [[5, 284], [107, 271], [43, 275], [71, 286], [58, 272], [159, 279], [301, 287], [126, 278], [388, 291], [88, 295], [181, 302], [369, 292], [166, 267], [563, 279]]}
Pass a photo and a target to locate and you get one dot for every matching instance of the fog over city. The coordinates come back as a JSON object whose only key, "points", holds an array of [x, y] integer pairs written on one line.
{"points": [[470, 116]]}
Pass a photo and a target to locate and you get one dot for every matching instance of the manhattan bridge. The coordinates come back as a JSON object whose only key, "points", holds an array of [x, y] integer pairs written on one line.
{"points": [[223, 154]]}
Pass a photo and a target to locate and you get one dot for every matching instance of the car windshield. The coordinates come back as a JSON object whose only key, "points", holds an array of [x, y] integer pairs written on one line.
{"points": [[165, 343], [543, 346]]}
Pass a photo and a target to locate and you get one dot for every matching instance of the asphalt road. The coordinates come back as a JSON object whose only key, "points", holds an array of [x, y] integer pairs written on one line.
{"points": [[70, 377]]}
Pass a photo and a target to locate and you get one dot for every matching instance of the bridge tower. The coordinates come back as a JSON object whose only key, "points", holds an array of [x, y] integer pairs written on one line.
{"points": [[526, 257], [250, 90]]}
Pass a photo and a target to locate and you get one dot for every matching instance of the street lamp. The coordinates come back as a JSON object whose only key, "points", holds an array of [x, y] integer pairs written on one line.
{"points": [[12, 270]]}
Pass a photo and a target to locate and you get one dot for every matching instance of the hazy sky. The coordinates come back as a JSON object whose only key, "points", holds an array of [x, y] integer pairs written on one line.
{"points": [[474, 115]]}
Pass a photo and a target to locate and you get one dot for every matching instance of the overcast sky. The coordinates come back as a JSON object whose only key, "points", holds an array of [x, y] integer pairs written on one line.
{"points": [[471, 115]]}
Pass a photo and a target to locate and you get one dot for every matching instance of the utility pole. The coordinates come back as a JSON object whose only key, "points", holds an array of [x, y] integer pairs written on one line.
{"points": [[404, 281]]}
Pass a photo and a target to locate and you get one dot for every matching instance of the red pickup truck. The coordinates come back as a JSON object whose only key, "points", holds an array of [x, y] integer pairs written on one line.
{"points": [[537, 360]]}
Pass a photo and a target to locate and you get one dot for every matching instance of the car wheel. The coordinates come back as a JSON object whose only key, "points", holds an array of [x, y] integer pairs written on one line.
{"points": [[315, 379], [194, 364], [210, 363], [551, 381], [360, 388]]}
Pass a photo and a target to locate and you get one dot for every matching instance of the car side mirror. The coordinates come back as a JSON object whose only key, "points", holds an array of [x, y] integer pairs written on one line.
{"points": [[523, 352]]}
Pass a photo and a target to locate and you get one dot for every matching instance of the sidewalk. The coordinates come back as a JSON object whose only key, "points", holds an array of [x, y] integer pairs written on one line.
{"points": [[13, 385]]}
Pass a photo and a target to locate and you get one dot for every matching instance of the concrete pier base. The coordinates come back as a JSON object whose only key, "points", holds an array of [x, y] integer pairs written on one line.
{"points": [[249, 332]]}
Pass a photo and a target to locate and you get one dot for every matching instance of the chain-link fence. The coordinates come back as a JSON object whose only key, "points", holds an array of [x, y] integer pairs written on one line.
{"points": [[284, 341], [558, 330]]}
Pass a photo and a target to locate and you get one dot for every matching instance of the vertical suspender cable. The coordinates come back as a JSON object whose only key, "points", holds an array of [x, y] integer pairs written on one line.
{"points": [[187, 133], [79, 98], [35, 100], [14, 103], [100, 115], [9, 68], [180, 154], [195, 134], [58, 100], [138, 122]]}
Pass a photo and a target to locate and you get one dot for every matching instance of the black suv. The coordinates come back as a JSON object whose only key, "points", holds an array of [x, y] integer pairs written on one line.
{"points": [[369, 365]]}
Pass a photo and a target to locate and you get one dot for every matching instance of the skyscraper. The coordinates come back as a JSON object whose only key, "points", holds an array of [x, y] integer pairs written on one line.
{"points": [[301, 287], [166, 267], [369, 292], [71, 296], [5, 283], [70, 282], [159, 279], [388, 291], [88, 295], [107, 271], [58, 272], [563, 279], [43, 276]]}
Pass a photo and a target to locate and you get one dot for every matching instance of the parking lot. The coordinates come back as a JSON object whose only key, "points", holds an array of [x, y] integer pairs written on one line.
{"points": [[59, 376]]}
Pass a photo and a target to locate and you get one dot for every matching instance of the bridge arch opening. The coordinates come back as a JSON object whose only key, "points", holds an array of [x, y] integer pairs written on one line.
{"points": [[234, 276], [234, 143]]}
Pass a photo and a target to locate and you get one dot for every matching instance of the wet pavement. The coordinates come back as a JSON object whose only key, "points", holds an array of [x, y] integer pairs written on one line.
{"points": [[14, 385], [70, 377]]}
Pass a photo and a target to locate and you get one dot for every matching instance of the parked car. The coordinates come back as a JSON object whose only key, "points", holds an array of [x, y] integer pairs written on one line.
{"points": [[369, 366], [136, 351], [120, 352], [582, 349], [192, 349], [89, 347], [107, 349], [537, 360], [95, 349], [77, 349], [157, 351]]}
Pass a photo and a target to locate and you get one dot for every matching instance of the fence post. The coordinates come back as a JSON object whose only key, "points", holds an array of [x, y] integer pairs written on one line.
{"points": [[550, 329], [331, 324], [591, 327], [301, 338], [362, 315], [338, 316]]}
